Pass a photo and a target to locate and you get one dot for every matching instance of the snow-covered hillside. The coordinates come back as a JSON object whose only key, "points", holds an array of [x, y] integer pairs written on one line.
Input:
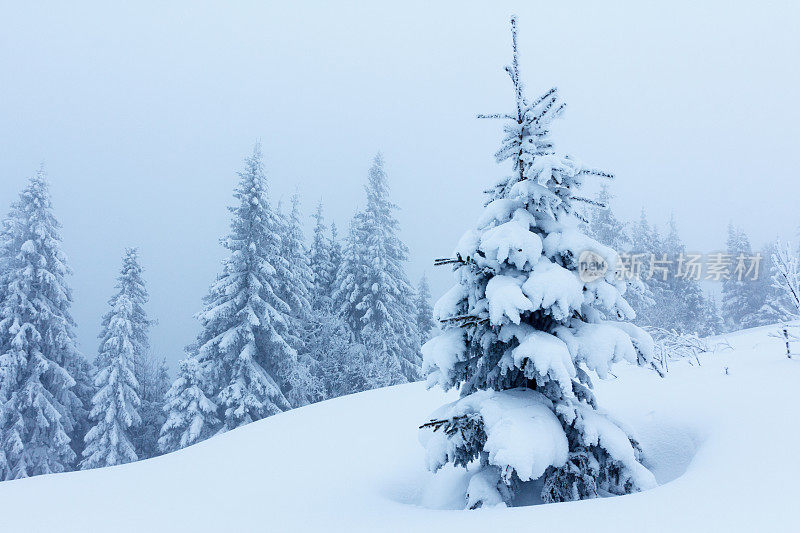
{"points": [[721, 444]]}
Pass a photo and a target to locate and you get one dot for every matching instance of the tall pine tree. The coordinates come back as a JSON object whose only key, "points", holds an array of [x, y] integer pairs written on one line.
{"points": [[335, 257], [742, 297], [154, 382], [39, 410], [116, 404], [293, 272], [83, 373], [683, 300], [374, 293], [607, 229], [774, 301], [712, 324], [341, 366], [297, 375], [243, 342], [645, 249], [522, 329], [604, 226], [422, 304], [191, 416], [350, 280], [320, 262], [131, 286]]}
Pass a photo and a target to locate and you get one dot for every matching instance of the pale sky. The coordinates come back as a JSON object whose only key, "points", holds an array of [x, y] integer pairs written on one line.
{"points": [[144, 112]]}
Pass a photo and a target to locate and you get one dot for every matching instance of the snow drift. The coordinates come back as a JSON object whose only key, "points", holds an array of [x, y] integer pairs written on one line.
{"points": [[719, 439]]}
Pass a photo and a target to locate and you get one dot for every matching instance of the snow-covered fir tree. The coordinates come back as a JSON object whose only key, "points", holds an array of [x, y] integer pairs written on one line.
{"points": [[339, 363], [607, 229], [645, 247], [320, 262], [335, 257], [294, 272], [384, 367], [741, 298], [774, 302], [681, 299], [297, 375], [116, 404], [154, 382], [786, 281], [191, 416], [422, 303], [131, 286], [39, 410], [712, 323], [377, 299], [243, 342], [522, 329], [604, 226], [351, 278], [83, 373], [342, 366]]}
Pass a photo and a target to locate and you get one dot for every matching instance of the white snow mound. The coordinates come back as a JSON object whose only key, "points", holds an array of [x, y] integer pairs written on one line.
{"points": [[719, 439]]}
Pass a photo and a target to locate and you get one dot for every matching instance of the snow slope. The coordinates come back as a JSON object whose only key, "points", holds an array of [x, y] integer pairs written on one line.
{"points": [[722, 447]]}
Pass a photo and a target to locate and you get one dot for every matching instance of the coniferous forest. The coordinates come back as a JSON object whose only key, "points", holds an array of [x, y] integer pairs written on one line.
{"points": [[288, 321], [582, 347]]}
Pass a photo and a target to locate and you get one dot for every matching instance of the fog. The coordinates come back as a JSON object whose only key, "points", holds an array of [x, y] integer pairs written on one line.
{"points": [[143, 113]]}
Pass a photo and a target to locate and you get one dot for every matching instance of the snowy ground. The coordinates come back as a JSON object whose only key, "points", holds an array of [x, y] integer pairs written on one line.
{"points": [[723, 447]]}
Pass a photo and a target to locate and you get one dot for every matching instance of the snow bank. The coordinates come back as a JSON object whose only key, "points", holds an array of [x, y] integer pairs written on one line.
{"points": [[719, 445]]}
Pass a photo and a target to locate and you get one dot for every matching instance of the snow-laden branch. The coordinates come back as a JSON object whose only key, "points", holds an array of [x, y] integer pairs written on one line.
{"points": [[787, 275]]}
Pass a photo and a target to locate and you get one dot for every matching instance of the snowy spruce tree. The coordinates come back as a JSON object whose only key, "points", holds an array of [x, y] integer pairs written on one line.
{"points": [[342, 365], [713, 323], [786, 282], [321, 263], [39, 409], [116, 404], [775, 301], [422, 304], [297, 374], [606, 228], [335, 257], [244, 322], [375, 296], [294, 273], [682, 298], [741, 295], [154, 382], [82, 371], [191, 416], [351, 279], [336, 254], [646, 247], [522, 331], [131, 287]]}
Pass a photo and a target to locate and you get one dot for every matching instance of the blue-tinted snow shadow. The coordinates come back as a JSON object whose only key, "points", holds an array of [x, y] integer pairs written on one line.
{"points": [[668, 447]]}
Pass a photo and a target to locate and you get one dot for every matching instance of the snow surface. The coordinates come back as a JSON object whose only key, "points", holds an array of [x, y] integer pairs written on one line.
{"points": [[722, 447]]}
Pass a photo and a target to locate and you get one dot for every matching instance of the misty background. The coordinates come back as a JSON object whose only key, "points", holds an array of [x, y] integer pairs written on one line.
{"points": [[143, 113]]}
